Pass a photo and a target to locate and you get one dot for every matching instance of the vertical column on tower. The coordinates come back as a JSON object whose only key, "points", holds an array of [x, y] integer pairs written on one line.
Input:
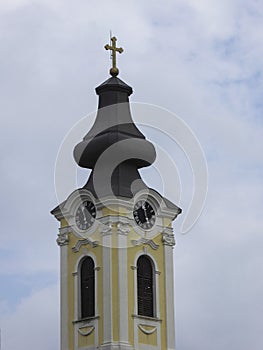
{"points": [[62, 241]]}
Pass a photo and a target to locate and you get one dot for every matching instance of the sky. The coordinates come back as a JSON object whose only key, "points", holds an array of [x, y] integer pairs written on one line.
{"points": [[201, 60]]}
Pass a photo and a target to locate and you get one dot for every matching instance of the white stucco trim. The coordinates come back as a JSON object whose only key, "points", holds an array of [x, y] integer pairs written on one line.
{"points": [[69, 208], [85, 333], [146, 331], [116, 346], [107, 289], [123, 289], [140, 322], [76, 295], [92, 323], [169, 295], [63, 297]]}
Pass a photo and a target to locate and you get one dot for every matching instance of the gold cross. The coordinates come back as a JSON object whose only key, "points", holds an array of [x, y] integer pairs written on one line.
{"points": [[114, 71]]}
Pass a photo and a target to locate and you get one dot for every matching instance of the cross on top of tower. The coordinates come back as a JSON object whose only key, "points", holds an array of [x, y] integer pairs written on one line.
{"points": [[114, 71]]}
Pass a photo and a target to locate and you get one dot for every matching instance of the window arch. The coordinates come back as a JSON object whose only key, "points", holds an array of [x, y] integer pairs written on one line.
{"points": [[87, 287], [145, 286]]}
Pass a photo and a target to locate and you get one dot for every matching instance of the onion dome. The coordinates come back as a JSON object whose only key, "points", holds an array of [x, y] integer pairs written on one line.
{"points": [[114, 148]]}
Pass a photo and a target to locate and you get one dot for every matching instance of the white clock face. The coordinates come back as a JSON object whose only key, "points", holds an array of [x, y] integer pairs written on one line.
{"points": [[85, 215], [144, 214]]}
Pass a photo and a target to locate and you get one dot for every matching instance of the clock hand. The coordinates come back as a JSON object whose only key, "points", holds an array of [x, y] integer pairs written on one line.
{"points": [[145, 212], [84, 214]]}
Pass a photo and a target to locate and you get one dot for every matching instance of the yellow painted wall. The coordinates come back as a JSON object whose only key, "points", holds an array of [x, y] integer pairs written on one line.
{"points": [[158, 256], [149, 339], [132, 251], [72, 263]]}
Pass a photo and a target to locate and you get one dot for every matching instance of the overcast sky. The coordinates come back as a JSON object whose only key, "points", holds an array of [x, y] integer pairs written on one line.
{"points": [[199, 59]]}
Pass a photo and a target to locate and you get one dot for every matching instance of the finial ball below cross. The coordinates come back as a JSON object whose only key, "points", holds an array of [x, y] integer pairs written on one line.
{"points": [[114, 71]]}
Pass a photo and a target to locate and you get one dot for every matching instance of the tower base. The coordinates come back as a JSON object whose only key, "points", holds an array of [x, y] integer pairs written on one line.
{"points": [[116, 346]]}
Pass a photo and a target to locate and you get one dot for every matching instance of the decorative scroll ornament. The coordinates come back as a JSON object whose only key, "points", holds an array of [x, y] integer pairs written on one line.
{"points": [[146, 329], [149, 242], [63, 238], [123, 229], [82, 242], [106, 229], [168, 239], [85, 331]]}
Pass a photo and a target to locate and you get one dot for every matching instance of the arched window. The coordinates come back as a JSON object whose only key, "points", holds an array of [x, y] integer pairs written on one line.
{"points": [[87, 275], [145, 286]]}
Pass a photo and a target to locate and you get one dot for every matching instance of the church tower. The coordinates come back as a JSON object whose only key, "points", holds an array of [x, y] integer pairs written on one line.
{"points": [[116, 238]]}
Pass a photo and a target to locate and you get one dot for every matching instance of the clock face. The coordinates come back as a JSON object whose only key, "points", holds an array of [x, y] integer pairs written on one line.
{"points": [[85, 215], [144, 214]]}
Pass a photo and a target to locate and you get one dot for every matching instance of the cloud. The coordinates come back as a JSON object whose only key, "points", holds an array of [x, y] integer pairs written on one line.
{"points": [[34, 321], [201, 60]]}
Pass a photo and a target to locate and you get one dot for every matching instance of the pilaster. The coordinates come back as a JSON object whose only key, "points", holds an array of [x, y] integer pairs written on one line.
{"points": [[107, 289], [63, 241], [168, 244]]}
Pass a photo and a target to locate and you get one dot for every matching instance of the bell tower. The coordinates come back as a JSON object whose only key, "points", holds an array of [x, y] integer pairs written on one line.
{"points": [[116, 238]]}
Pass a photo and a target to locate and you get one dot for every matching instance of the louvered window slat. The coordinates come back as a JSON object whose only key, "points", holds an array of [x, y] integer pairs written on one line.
{"points": [[145, 286], [87, 288]]}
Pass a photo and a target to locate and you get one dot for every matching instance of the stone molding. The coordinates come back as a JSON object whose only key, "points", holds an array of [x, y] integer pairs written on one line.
{"points": [[82, 242], [168, 237], [149, 242], [86, 333], [146, 331], [123, 228], [63, 236], [106, 229]]}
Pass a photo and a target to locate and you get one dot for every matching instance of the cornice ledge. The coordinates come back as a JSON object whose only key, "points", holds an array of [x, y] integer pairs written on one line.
{"points": [[116, 202], [65, 229], [167, 230], [87, 321], [115, 219], [147, 318]]}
